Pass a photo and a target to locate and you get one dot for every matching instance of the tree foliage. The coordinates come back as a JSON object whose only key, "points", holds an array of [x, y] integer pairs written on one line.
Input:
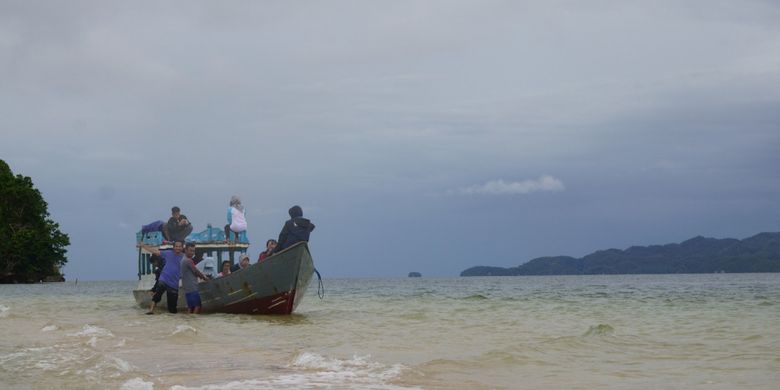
{"points": [[32, 247]]}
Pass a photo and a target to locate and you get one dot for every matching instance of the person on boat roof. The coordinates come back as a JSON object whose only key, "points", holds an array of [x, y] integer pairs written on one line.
{"points": [[295, 230], [236, 218], [178, 226]]}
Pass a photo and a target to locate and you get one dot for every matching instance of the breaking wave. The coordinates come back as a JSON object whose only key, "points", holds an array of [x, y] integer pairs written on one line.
{"points": [[92, 331], [184, 329], [137, 384], [313, 371]]}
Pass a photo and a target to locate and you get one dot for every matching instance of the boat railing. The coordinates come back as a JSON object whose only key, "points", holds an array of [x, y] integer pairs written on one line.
{"points": [[209, 242], [210, 234]]}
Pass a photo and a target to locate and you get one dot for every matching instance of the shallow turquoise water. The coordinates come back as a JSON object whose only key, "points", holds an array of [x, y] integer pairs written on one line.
{"points": [[717, 331]]}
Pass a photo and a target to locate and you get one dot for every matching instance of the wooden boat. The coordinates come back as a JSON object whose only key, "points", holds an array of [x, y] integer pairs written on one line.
{"points": [[275, 286]]}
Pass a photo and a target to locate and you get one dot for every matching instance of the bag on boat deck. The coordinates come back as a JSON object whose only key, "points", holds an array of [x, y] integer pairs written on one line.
{"points": [[208, 266], [156, 226]]}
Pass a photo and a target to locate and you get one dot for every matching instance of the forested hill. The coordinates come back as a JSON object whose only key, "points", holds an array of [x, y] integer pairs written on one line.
{"points": [[760, 253]]}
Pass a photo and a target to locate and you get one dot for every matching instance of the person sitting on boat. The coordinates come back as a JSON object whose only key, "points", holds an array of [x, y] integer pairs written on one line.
{"points": [[243, 263], [236, 218], [178, 226], [169, 276], [225, 268], [296, 229], [189, 279], [269, 248]]}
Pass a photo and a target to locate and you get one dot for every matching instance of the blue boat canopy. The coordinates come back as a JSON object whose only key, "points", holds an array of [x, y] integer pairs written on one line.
{"points": [[210, 235]]}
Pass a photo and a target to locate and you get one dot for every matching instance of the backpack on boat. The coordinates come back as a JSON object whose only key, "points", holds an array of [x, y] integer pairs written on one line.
{"points": [[156, 226]]}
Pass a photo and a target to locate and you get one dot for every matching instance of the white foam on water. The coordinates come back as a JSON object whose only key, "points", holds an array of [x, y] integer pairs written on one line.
{"points": [[49, 328], [43, 359], [71, 359], [295, 383], [121, 343], [137, 384], [105, 367], [311, 360], [183, 329], [357, 372], [314, 361], [45, 365], [248, 384], [10, 357], [4, 311], [121, 365], [19, 358], [313, 371], [94, 331]]}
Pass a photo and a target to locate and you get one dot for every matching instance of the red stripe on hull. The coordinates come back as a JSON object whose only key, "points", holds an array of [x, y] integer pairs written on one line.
{"points": [[282, 303]]}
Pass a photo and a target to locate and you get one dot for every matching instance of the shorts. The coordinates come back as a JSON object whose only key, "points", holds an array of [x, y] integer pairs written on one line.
{"points": [[193, 299], [171, 295]]}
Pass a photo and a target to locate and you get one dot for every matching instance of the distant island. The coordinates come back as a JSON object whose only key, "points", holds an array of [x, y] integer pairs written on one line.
{"points": [[415, 275], [760, 253]]}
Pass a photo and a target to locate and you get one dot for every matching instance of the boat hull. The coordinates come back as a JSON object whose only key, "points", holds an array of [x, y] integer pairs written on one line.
{"points": [[275, 286]]}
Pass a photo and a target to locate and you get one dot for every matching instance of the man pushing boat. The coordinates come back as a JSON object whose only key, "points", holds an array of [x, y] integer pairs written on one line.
{"points": [[170, 275]]}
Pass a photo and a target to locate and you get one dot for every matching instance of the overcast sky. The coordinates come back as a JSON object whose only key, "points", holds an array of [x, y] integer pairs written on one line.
{"points": [[425, 136]]}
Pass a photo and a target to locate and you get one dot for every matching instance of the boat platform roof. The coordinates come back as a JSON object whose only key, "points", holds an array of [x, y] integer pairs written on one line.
{"points": [[215, 245]]}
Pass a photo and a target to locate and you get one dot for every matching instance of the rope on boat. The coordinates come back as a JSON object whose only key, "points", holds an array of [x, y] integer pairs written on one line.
{"points": [[321, 287]]}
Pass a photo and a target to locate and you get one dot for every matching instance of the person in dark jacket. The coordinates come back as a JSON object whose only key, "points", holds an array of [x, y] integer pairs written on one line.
{"points": [[296, 229], [178, 226]]}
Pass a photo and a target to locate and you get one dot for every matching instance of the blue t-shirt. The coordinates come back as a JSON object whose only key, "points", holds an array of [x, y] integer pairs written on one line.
{"points": [[171, 272]]}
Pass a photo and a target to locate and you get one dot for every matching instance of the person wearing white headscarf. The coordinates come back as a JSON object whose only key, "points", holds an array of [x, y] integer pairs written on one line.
{"points": [[236, 218], [243, 262]]}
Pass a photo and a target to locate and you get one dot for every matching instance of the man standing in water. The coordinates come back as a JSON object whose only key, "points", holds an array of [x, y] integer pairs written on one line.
{"points": [[170, 275], [189, 279]]}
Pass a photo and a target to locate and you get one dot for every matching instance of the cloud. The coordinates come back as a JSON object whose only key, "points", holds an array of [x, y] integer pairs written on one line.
{"points": [[147, 101], [501, 187]]}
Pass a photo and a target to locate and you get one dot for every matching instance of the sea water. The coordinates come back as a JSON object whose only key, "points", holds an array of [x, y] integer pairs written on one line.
{"points": [[718, 331]]}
